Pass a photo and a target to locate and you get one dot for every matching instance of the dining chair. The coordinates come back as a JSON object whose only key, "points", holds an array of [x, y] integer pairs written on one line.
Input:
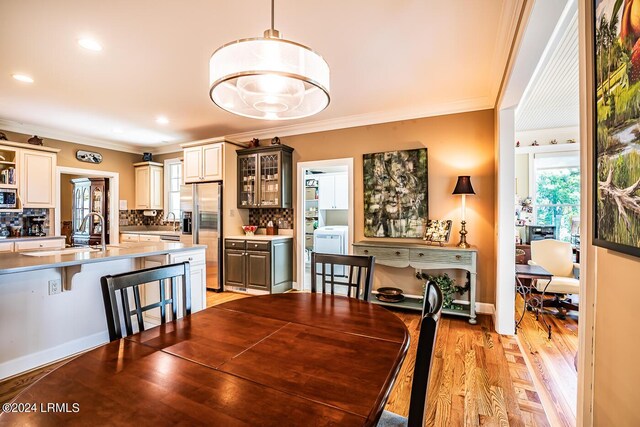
{"points": [[432, 309], [355, 272], [164, 276], [556, 257]]}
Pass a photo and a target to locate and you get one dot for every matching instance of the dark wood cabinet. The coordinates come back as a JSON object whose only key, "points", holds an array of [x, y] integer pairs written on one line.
{"points": [[260, 265], [264, 177], [89, 195]]}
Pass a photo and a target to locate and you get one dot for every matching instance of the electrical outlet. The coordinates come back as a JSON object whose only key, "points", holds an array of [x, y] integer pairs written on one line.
{"points": [[55, 287]]}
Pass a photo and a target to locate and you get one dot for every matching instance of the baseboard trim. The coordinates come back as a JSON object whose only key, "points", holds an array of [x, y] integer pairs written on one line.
{"points": [[485, 308], [45, 357]]}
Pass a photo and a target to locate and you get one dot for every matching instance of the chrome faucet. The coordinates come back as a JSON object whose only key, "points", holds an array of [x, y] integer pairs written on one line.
{"points": [[175, 221], [83, 227]]}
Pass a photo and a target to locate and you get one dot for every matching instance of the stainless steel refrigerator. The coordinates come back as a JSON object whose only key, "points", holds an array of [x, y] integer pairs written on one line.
{"points": [[201, 206]]}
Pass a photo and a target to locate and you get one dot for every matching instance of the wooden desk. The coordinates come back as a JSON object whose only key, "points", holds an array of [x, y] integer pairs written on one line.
{"points": [[423, 257], [273, 360]]}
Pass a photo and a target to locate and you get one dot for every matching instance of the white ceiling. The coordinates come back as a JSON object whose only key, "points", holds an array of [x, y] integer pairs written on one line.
{"points": [[390, 60], [552, 99]]}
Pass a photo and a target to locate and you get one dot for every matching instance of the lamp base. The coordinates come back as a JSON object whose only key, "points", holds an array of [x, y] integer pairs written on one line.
{"points": [[463, 236]]}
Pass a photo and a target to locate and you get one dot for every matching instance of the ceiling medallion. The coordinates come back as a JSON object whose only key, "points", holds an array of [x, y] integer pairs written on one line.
{"points": [[269, 78]]}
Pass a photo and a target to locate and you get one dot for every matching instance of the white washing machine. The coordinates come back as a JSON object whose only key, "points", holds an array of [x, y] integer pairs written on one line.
{"points": [[332, 239]]}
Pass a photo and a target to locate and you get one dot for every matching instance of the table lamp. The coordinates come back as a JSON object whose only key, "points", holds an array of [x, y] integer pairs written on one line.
{"points": [[463, 188]]}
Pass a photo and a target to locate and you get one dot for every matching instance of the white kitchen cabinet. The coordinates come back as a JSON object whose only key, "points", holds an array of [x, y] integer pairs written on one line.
{"points": [[127, 237], [198, 277], [333, 191], [203, 163], [148, 185], [149, 238], [37, 179], [39, 244], [6, 246]]}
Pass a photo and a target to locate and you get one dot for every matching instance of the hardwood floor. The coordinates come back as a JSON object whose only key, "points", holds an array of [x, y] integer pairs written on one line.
{"points": [[552, 363], [479, 377]]}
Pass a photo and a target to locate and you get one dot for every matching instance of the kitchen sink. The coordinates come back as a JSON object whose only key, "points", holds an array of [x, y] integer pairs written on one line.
{"points": [[59, 251]]}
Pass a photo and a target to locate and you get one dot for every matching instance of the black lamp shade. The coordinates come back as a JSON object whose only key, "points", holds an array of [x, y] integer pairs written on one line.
{"points": [[463, 186]]}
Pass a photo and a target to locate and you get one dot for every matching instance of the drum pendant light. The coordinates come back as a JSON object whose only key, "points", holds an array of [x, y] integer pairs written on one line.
{"points": [[269, 78]]}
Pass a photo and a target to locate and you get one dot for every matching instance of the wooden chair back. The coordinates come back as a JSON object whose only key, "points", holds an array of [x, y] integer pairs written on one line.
{"points": [[163, 275], [357, 278], [431, 311]]}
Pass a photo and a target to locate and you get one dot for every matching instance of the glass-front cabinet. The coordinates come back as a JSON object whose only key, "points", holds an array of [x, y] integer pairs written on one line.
{"points": [[264, 177], [89, 195]]}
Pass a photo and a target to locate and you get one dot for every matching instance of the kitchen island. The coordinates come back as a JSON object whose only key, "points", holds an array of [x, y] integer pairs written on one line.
{"points": [[51, 302]]}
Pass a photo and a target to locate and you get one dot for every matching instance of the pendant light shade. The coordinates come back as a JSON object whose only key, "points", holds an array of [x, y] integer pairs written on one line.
{"points": [[269, 78]]}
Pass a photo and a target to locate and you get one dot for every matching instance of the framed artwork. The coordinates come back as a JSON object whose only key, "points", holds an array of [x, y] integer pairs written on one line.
{"points": [[616, 160], [438, 231], [88, 156], [395, 193]]}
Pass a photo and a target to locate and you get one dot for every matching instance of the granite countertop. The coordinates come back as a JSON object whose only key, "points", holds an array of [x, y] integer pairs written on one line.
{"points": [[261, 237], [18, 262], [17, 239]]}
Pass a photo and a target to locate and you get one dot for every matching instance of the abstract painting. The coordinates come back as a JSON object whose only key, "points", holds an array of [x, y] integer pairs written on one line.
{"points": [[395, 193], [617, 125]]}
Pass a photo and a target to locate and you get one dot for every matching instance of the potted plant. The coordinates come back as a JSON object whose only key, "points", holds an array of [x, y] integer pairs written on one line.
{"points": [[448, 287]]}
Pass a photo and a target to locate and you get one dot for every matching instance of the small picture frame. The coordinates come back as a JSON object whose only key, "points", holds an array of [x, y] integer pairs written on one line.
{"points": [[437, 231]]}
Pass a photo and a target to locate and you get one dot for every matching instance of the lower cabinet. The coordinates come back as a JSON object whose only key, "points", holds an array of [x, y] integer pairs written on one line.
{"points": [[259, 265]]}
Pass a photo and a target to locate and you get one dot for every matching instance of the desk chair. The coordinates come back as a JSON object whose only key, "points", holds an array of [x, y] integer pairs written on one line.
{"points": [[163, 275], [556, 257]]}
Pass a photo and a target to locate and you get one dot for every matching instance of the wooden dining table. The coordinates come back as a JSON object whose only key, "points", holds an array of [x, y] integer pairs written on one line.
{"points": [[294, 359]]}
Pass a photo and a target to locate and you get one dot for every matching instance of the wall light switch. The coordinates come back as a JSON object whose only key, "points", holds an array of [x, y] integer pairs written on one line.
{"points": [[55, 287], [123, 205]]}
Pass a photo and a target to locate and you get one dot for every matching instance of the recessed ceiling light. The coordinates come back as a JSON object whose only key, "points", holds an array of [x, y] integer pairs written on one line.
{"points": [[90, 44], [22, 78], [162, 120]]}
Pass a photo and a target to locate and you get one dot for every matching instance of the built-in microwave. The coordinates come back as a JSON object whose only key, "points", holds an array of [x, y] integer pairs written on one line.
{"points": [[8, 198]]}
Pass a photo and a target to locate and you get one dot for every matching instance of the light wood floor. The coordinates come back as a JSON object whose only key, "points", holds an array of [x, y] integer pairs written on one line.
{"points": [[552, 363], [478, 377]]}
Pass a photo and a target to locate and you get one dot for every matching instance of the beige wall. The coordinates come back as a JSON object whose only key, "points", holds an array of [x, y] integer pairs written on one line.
{"points": [[458, 144], [612, 284], [522, 175], [113, 161]]}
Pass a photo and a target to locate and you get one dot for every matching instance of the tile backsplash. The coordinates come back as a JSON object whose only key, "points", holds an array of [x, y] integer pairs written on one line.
{"points": [[16, 219], [137, 218], [261, 217]]}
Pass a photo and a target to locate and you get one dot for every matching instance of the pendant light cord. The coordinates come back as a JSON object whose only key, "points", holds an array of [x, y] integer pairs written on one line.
{"points": [[272, 13]]}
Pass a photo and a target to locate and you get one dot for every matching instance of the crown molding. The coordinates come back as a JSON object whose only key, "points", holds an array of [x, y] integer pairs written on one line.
{"points": [[463, 106], [46, 132]]}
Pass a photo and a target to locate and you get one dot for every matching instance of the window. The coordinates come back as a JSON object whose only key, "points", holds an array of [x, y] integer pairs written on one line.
{"points": [[557, 191], [172, 183]]}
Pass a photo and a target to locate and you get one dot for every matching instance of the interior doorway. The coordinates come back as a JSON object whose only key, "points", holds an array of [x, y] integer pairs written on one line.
{"points": [[102, 188], [324, 212]]}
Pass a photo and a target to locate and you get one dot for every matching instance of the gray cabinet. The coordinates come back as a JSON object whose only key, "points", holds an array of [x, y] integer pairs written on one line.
{"points": [[264, 177], [259, 265]]}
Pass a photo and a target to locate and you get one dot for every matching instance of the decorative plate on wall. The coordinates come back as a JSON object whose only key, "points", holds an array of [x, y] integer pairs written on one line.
{"points": [[88, 156]]}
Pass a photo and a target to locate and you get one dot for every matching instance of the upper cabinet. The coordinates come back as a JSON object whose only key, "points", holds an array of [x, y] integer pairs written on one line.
{"points": [[264, 177], [149, 185], [37, 177], [27, 176], [333, 191], [203, 163]]}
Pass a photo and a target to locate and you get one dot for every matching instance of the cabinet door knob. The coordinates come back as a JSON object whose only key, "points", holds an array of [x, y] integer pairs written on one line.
{"points": [[366, 251], [41, 245], [420, 254], [190, 258], [255, 246], [458, 256], [398, 253]]}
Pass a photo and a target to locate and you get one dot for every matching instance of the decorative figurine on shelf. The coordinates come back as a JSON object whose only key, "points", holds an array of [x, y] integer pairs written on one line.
{"points": [[275, 141], [34, 140], [147, 157], [3, 137], [535, 143], [553, 142], [255, 142], [571, 141], [518, 144]]}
